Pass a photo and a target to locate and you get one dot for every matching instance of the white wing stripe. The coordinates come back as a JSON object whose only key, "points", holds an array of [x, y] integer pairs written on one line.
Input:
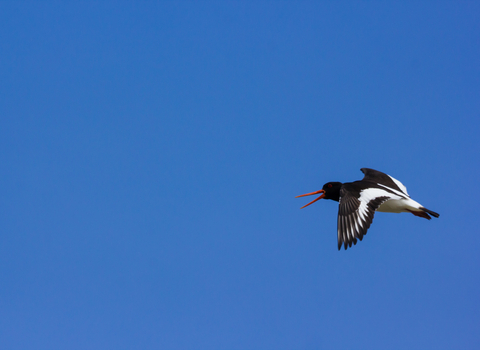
{"points": [[401, 194], [351, 221], [371, 193], [400, 185], [361, 212], [348, 227], [355, 219]]}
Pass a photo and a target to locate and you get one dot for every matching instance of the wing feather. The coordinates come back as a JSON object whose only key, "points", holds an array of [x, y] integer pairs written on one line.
{"points": [[385, 181], [355, 215]]}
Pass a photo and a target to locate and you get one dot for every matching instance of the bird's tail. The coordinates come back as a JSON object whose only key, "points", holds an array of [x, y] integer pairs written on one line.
{"points": [[432, 213], [423, 213]]}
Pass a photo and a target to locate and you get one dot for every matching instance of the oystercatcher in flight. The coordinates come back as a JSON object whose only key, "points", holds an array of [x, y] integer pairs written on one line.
{"points": [[360, 199]]}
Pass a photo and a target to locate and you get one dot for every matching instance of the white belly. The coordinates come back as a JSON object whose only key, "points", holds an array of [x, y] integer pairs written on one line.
{"points": [[399, 206]]}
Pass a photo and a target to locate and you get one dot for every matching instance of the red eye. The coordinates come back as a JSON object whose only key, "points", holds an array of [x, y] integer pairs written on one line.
{"points": [[329, 185]]}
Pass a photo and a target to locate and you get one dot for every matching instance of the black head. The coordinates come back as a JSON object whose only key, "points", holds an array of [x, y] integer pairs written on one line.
{"points": [[331, 190]]}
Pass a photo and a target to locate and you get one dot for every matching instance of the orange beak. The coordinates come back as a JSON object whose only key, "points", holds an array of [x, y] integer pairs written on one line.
{"points": [[310, 194]]}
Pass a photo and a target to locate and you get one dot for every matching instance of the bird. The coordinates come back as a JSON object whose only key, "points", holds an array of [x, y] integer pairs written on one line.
{"points": [[359, 200]]}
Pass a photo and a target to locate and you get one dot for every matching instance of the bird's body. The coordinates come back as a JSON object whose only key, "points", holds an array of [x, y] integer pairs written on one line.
{"points": [[359, 200]]}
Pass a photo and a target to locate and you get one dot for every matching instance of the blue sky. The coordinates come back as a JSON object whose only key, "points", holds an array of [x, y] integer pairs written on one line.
{"points": [[151, 153]]}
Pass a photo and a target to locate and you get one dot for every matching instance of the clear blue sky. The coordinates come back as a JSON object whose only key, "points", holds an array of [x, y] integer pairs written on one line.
{"points": [[151, 151]]}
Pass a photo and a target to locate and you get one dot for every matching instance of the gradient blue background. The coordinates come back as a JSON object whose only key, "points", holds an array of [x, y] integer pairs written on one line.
{"points": [[151, 151]]}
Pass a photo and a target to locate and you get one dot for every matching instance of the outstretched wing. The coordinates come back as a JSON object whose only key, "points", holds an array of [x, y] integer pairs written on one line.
{"points": [[385, 181], [355, 212]]}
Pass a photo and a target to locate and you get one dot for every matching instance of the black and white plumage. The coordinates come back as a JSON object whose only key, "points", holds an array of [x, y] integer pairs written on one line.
{"points": [[359, 200]]}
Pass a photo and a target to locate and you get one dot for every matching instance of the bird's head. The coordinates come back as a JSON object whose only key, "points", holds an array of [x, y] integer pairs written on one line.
{"points": [[331, 190]]}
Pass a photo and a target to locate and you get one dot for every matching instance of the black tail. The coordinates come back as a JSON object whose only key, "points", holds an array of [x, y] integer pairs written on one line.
{"points": [[432, 213]]}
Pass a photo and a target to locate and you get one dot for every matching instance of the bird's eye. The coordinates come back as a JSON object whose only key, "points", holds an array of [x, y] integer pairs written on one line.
{"points": [[329, 185]]}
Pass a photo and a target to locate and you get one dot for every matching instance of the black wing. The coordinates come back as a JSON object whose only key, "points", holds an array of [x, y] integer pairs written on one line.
{"points": [[355, 214], [386, 180]]}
